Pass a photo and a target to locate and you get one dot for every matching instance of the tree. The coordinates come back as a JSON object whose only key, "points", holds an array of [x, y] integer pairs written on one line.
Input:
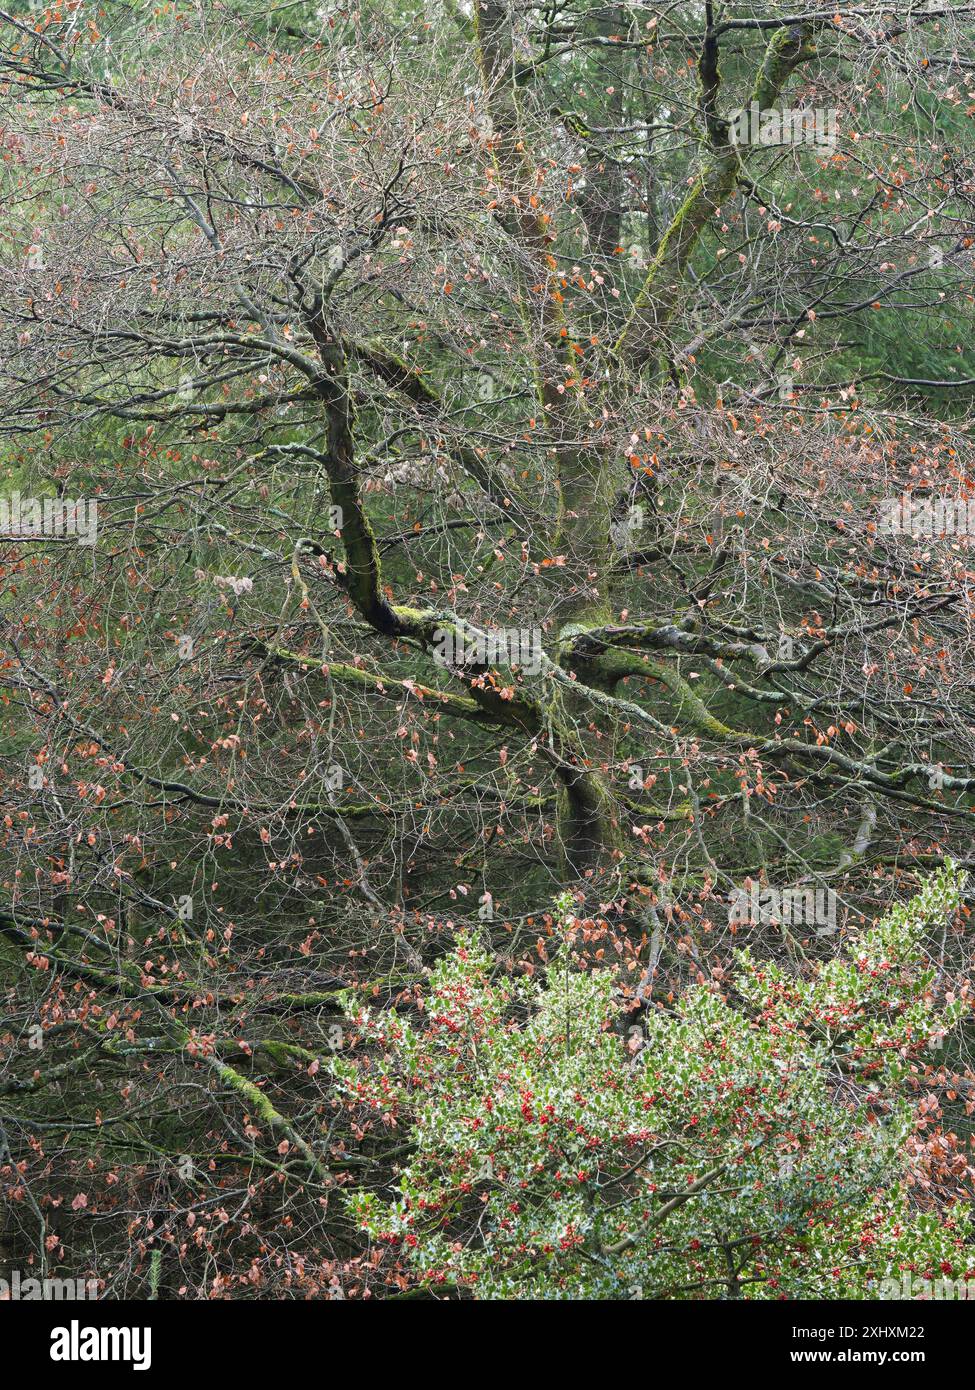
{"points": [[496, 421]]}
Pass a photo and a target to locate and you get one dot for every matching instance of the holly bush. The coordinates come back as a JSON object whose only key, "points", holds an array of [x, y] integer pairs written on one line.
{"points": [[750, 1141]]}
